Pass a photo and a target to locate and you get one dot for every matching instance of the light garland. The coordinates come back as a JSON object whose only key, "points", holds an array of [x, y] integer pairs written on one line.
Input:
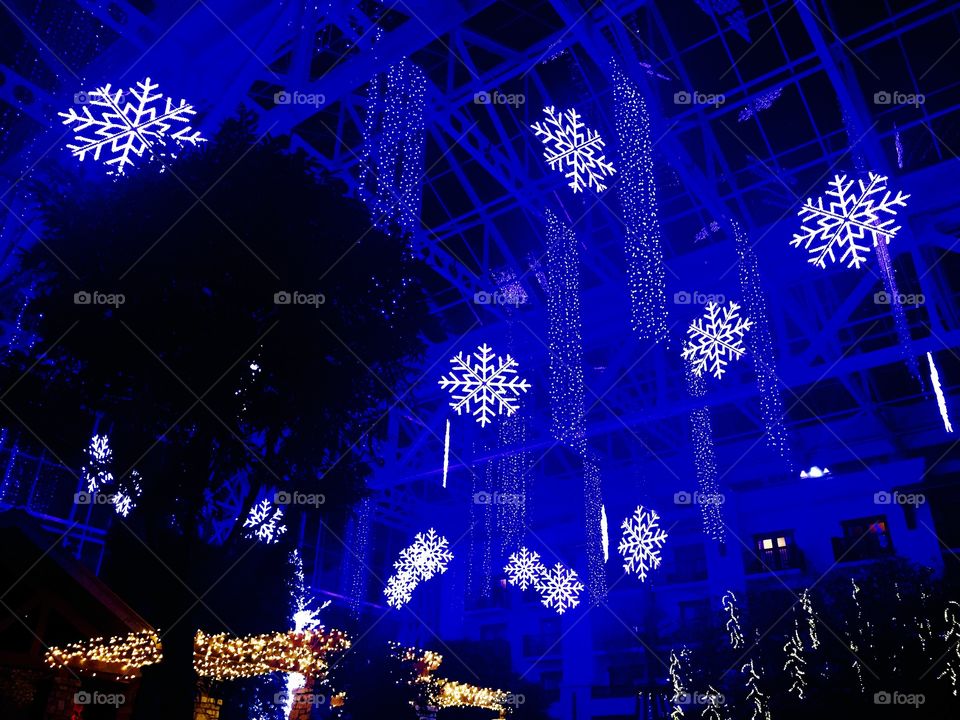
{"points": [[760, 344], [448, 693], [729, 603], [638, 197], [678, 682], [121, 655], [356, 576], [512, 474], [952, 637], [705, 459], [938, 391], [756, 697], [806, 605], [567, 384], [226, 657], [795, 665]]}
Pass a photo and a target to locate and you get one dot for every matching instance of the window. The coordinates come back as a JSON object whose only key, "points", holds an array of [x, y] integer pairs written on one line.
{"points": [[775, 551], [864, 539]]}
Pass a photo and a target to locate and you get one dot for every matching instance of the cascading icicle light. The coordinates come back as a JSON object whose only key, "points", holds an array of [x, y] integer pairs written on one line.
{"points": [[394, 142], [638, 198], [358, 540], [760, 344], [568, 422], [511, 509], [938, 391], [896, 307], [709, 500]]}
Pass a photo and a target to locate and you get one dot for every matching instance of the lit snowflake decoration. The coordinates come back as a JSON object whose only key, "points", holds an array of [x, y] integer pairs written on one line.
{"points": [[484, 386], [98, 474], [573, 148], [399, 590], [843, 225], [126, 497], [428, 556], [128, 124], [716, 339], [524, 568], [263, 522], [641, 542], [559, 588]]}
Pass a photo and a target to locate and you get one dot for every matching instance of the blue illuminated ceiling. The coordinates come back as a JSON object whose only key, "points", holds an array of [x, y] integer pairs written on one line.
{"points": [[799, 104]]}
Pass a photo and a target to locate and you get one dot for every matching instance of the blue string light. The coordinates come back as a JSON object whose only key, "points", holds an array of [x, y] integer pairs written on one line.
{"points": [[760, 345], [705, 458], [638, 198], [568, 424]]}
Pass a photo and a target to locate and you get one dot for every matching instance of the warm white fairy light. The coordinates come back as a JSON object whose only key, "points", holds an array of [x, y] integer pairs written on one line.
{"points": [[938, 391], [121, 656], [795, 664], [225, 657], [951, 669], [806, 605]]}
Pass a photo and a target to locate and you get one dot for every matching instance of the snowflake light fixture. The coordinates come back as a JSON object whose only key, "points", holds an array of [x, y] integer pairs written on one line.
{"points": [[263, 522], [127, 494], [573, 149], [559, 588], [128, 124], [427, 556], [842, 226], [641, 542], [716, 339], [484, 385], [524, 568]]}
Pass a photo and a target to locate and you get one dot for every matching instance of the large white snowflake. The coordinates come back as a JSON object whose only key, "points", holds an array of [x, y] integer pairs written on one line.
{"points": [[484, 385], [716, 339], [573, 149], [559, 588], [97, 474], [842, 226], [428, 555], [641, 542], [128, 493], [263, 522], [524, 568], [130, 123]]}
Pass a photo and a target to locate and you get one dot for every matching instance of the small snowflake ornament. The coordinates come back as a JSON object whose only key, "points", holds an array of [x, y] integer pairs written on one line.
{"points": [[263, 521], [484, 385], [641, 542], [524, 568], [559, 588], [573, 149], [399, 589], [127, 124], [716, 339], [842, 227], [428, 555]]}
